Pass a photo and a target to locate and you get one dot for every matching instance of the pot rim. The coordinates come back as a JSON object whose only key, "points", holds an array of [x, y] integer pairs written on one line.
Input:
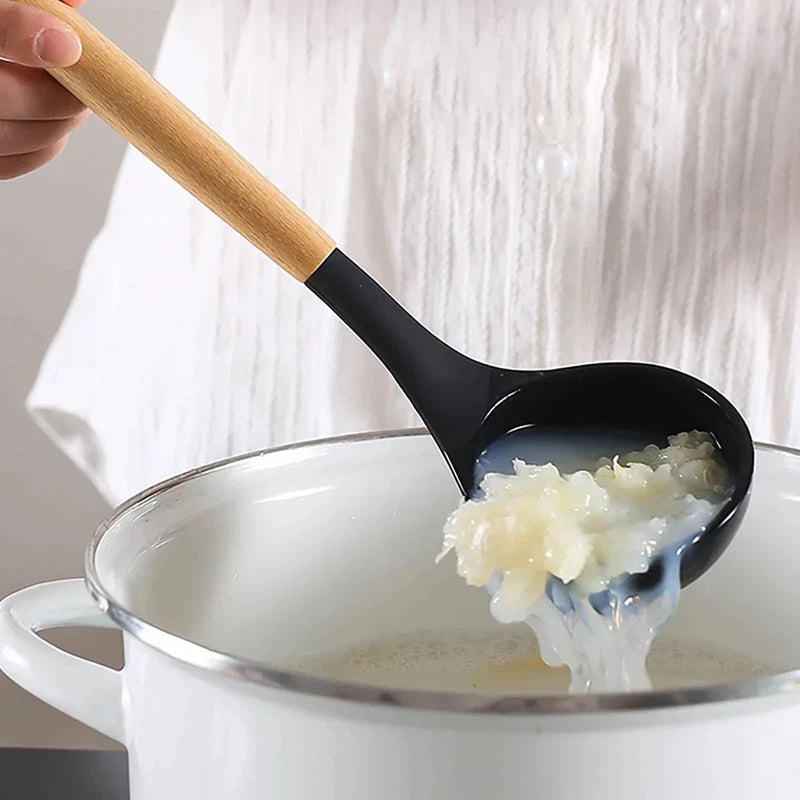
{"points": [[220, 663]]}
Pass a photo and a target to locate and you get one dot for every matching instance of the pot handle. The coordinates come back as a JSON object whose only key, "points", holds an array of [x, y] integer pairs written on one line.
{"points": [[89, 692]]}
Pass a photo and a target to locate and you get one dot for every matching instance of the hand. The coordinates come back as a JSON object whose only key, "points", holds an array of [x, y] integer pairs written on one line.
{"points": [[36, 113]]}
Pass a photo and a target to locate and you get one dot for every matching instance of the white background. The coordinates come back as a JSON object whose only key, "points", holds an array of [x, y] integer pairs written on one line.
{"points": [[49, 510]]}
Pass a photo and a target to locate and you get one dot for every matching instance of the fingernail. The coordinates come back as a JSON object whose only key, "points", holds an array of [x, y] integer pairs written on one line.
{"points": [[57, 47]]}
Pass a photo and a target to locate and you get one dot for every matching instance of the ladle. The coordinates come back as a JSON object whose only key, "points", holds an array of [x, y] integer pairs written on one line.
{"points": [[464, 403]]}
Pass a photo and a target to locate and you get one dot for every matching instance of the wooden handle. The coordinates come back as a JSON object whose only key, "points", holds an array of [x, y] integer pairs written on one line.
{"points": [[129, 99]]}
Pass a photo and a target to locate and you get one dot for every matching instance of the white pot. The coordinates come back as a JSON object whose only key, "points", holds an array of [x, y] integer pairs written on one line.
{"points": [[321, 545]]}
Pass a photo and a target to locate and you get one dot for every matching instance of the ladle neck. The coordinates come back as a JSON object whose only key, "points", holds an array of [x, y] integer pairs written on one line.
{"points": [[447, 389]]}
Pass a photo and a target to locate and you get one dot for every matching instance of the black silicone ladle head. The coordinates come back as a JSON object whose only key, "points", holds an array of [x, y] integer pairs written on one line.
{"points": [[465, 404]]}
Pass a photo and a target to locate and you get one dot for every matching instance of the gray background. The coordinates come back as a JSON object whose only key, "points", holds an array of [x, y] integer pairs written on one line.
{"points": [[49, 510]]}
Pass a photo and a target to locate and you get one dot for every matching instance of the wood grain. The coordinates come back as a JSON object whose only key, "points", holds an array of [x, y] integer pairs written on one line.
{"points": [[129, 99]]}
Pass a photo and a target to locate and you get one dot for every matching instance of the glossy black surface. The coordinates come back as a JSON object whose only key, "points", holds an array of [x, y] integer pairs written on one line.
{"points": [[63, 775], [466, 404]]}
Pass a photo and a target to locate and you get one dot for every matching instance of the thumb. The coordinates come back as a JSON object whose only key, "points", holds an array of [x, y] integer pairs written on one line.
{"points": [[34, 38]]}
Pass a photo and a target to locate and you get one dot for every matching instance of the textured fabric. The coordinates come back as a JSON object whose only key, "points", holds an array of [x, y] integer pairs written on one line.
{"points": [[540, 183]]}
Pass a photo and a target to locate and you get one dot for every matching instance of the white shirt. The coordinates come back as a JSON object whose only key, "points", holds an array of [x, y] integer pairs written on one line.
{"points": [[539, 183]]}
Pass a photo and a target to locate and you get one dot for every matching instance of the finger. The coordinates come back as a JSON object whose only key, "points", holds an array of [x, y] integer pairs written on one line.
{"points": [[14, 166], [34, 38], [18, 138], [27, 93]]}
